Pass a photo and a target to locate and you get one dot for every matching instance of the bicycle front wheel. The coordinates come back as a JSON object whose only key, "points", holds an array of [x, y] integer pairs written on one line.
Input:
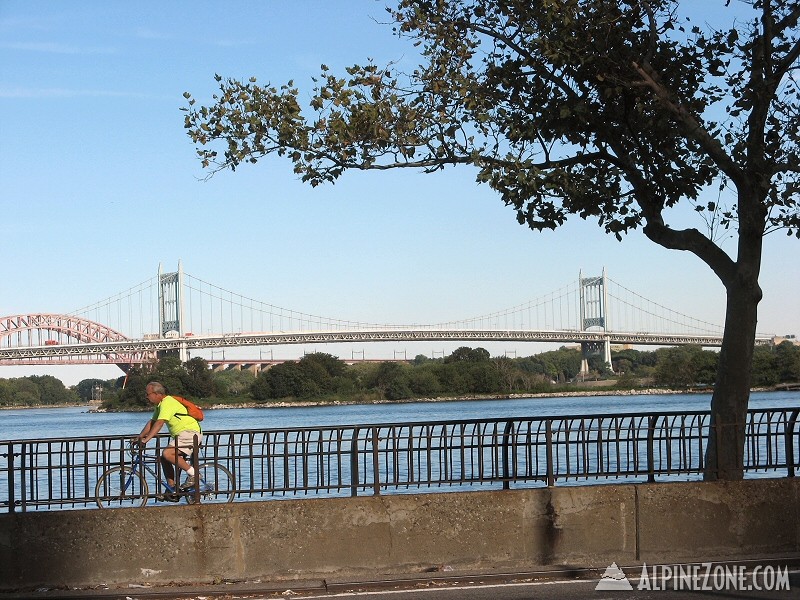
{"points": [[121, 487], [216, 485]]}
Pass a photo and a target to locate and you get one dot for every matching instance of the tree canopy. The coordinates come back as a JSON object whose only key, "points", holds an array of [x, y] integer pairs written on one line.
{"points": [[35, 390], [613, 110]]}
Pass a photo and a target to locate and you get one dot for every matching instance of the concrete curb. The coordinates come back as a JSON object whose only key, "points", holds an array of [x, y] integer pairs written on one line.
{"points": [[256, 589]]}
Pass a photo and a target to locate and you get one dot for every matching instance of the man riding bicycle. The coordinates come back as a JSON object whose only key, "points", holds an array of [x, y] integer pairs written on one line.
{"points": [[182, 431]]}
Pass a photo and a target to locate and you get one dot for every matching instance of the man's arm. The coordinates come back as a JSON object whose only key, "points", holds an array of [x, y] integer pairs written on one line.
{"points": [[151, 430]]}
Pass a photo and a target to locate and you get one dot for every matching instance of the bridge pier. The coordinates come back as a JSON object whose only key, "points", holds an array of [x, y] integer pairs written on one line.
{"points": [[590, 348], [255, 367]]}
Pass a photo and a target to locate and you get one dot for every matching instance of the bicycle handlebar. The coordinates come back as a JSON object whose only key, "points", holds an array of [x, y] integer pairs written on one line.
{"points": [[136, 447]]}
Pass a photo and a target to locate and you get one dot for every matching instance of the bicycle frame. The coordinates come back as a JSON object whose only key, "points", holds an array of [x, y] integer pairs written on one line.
{"points": [[140, 459]]}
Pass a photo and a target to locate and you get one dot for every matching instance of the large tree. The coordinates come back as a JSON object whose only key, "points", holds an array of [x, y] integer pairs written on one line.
{"points": [[614, 110]]}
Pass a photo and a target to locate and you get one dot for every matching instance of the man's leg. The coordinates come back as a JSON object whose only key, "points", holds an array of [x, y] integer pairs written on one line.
{"points": [[185, 448], [169, 458]]}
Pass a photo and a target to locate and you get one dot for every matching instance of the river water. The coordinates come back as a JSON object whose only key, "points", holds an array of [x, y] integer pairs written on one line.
{"points": [[34, 423]]}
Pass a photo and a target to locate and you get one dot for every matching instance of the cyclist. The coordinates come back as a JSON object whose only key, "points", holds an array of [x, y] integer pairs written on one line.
{"points": [[182, 430]]}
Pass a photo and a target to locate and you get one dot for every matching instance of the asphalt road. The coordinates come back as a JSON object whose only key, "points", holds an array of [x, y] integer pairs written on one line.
{"points": [[552, 590], [706, 585]]}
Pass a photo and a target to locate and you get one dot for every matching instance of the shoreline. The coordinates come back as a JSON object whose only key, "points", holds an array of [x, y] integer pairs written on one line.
{"points": [[474, 397], [91, 404], [481, 397], [94, 406]]}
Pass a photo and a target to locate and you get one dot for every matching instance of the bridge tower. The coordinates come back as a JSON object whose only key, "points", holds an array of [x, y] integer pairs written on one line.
{"points": [[170, 305], [593, 305]]}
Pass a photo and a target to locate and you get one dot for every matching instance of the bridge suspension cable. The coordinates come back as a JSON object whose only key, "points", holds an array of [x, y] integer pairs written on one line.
{"points": [[633, 312], [133, 311], [208, 308], [557, 310]]}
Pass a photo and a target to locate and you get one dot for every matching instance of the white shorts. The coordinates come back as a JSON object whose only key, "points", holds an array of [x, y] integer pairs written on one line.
{"points": [[186, 441]]}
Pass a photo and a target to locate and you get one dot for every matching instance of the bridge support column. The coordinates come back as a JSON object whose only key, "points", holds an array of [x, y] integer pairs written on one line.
{"points": [[593, 303], [170, 306]]}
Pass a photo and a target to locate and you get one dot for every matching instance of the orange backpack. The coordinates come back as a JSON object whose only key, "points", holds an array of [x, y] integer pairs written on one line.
{"points": [[192, 409]]}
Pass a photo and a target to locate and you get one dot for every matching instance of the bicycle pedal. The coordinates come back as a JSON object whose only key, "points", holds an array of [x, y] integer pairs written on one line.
{"points": [[171, 497]]}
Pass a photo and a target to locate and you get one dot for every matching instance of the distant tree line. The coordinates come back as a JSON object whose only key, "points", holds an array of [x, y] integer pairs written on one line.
{"points": [[473, 371], [321, 376], [36, 390]]}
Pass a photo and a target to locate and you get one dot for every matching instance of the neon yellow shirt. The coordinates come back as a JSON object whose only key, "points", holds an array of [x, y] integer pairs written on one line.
{"points": [[174, 414]]}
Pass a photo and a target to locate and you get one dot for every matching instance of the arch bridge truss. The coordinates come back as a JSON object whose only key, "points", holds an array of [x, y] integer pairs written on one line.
{"points": [[54, 332]]}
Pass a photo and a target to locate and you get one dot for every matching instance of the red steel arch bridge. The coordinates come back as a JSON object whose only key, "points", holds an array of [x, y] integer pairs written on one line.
{"points": [[175, 312]]}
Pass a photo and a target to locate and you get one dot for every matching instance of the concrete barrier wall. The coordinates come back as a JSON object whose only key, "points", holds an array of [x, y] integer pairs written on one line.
{"points": [[587, 526]]}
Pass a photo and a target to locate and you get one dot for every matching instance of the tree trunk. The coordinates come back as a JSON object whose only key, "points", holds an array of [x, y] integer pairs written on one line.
{"points": [[725, 449]]}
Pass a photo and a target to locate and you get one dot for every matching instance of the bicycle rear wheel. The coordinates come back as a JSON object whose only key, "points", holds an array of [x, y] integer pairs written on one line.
{"points": [[121, 487], [217, 485]]}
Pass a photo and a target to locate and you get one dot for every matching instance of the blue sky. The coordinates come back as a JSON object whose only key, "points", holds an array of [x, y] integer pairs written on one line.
{"points": [[100, 184]]}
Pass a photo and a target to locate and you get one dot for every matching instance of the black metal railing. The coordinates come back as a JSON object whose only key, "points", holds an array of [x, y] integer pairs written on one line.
{"points": [[404, 457]]}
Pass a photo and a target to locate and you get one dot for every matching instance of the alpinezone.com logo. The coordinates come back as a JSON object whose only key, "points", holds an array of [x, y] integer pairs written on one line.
{"points": [[699, 577]]}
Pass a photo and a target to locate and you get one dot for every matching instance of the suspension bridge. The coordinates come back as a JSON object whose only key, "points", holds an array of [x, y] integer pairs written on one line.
{"points": [[177, 313]]}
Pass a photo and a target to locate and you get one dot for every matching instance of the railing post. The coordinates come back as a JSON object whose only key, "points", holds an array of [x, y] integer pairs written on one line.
{"points": [[551, 479], [9, 454], [176, 470], [789, 440], [354, 464], [196, 467], [506, 454], [23, 489], [741, 431], [651, 435], [376, 467]]}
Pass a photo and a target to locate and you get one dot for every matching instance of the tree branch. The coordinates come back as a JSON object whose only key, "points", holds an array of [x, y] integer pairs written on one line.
{"points": [[694, 242], [692, 126]]}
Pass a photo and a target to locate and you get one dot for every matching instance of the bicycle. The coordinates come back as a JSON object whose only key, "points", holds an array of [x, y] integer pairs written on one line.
{"points": [[126, 485]]}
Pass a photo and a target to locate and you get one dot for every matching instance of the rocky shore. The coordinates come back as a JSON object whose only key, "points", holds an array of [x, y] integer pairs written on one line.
{"points": [[584, 392]]}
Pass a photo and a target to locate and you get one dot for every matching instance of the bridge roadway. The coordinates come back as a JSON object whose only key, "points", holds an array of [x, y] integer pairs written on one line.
{"points": [[122, 350]]}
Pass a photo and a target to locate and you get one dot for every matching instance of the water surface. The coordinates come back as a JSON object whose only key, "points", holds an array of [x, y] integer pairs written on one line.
{"points": [[34, 423]]}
